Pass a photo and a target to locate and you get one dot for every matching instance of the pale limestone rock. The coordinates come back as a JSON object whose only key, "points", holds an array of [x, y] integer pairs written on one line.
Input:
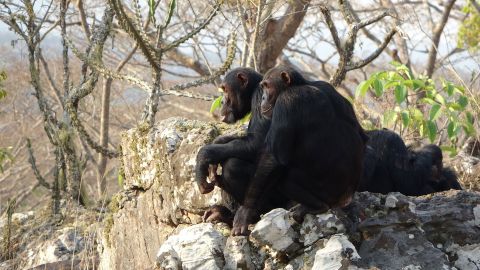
{"points": [[70, 241], [468, 256], [238, 254], [196, 247], [275, 230], [337, 253], [391, 201], [476, 214]]}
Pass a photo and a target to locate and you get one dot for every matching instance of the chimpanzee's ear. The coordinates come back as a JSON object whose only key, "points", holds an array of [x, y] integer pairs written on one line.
{"points": [[285, 77], [243, 78]]}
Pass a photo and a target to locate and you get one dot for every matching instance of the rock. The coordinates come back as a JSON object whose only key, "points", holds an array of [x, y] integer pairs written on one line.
{"points": [[159, 191], [238, 254], [337, 254], [69, 242], [468, 256], [17, 218], [163, 160], [275, 230], [320, 226], [196, 247]]}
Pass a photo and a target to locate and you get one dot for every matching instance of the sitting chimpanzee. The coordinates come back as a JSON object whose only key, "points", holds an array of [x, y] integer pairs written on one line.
{"points": [[390, 166], [238, 155], [318, 152]]}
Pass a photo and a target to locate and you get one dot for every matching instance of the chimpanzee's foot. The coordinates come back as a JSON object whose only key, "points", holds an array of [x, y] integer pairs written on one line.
{"points": [[218, 213], [243, 217], [299, 211]]}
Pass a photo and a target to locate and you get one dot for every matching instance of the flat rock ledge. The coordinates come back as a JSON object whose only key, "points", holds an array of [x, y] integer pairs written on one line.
{"points": [[155, 222]]}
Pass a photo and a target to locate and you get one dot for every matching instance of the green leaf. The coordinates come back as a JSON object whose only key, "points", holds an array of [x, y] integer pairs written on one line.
{"points": [[452, 150], [469, 128], [405, 118], [390, 84], [120, 180], [428, 101], [400, 93], [246, 118], [432, 130], [362, 88], [378, 86], [440, 99], [3, 93], [451, 130], [395, 63], [418, 84], [454, 106], [470, 118], [171, 8], [449, 88], [394, 76], [459, 89], [463, 101], [217, 103], [435, 112], [417, 115]]}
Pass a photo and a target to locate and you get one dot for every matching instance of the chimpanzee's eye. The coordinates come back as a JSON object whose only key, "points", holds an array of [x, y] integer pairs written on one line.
{"points": [[264, 85]]}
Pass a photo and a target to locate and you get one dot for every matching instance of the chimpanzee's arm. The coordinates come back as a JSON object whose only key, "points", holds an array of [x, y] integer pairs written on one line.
{"points": [[226, 139], [262, 181], [276, 152], [244, 148]]}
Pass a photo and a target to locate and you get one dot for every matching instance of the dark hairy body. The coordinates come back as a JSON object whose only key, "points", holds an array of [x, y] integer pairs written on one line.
{"points": [[317, 150], [390, 166]]}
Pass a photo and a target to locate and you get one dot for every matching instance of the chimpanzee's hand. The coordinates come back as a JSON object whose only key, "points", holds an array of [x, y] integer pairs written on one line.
{"points": [[206, 187]]}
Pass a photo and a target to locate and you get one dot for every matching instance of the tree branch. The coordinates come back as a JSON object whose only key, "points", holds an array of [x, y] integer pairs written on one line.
{"points": [[437, 33], [33, 163], [332, 28], [196, 30], [373, 55]]}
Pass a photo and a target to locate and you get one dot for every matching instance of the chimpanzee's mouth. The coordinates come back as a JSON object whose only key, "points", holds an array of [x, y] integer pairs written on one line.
{"points": [[265, 111]]}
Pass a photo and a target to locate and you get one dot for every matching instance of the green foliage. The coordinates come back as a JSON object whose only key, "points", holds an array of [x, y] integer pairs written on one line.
{"points": [[3, 77], [121, 177], [217, 104], [444, 105], [468, 31]]}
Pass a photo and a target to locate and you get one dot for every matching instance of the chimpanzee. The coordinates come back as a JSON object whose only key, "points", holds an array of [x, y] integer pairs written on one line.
{"points": [[389, 166], [427, 163], [237, 155], [317, 150]]}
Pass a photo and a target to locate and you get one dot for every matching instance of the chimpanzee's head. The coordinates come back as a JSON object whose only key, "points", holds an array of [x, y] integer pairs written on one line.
{"points": [[275, 81], [238, 87]]}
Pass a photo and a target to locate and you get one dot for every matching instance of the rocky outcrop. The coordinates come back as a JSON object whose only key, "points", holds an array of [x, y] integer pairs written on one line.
{"points": [[159, 191], [156, 220], [380, 232]]}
